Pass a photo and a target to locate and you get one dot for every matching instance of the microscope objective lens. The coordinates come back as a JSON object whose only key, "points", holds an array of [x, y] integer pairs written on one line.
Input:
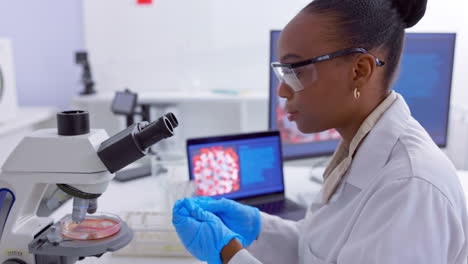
{"points": [[92, 208], [80, 207]]}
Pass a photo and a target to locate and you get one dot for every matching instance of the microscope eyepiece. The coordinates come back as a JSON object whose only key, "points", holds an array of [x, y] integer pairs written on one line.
{"points": [[132, 143], [73, 123], [173, 119], [154, 132]]}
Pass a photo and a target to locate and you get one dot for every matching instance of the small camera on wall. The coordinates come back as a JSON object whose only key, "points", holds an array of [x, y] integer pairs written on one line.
{"points": [[8, 101]]}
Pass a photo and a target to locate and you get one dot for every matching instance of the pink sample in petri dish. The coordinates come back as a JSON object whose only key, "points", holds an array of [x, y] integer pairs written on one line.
{"points": [[93, 227]]}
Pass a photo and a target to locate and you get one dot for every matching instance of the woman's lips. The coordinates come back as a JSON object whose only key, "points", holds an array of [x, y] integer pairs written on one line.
{"points": [[292, 115]]}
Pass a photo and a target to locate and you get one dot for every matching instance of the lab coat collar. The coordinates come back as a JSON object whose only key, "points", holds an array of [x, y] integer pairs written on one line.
{"points": [[376, 148]]}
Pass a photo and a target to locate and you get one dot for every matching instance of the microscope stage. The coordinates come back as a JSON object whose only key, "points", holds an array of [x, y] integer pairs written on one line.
{"points": [[76, 248]]}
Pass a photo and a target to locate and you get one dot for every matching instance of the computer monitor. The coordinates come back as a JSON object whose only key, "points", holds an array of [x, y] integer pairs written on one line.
{"points": [[425, 81], [236, 166]]}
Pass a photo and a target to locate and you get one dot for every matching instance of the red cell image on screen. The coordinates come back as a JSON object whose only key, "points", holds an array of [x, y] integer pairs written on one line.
{"points": [[216, 171], [290, 134]]}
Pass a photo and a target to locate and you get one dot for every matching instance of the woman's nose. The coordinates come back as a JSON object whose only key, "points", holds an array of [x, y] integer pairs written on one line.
{"points": [[284, 91]]}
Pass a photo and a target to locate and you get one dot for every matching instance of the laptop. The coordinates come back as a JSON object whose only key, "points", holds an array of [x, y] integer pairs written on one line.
{"points": [[247, 168]]}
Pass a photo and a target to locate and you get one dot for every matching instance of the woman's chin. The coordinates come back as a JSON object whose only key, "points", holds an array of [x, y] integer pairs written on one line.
{"points": [[309, 129]]}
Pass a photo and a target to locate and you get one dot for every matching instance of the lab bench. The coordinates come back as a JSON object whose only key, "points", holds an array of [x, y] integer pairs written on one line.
{"points": [[148, 194]]}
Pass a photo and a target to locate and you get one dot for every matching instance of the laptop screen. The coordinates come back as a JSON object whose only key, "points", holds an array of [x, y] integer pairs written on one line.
{"points": [[236, 166]]}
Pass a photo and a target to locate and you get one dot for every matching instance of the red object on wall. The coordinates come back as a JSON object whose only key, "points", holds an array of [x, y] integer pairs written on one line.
{"points": [[145, 2]]}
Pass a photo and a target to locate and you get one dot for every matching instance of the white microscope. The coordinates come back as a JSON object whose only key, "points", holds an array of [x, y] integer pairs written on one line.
{"points": [[81, 162]]}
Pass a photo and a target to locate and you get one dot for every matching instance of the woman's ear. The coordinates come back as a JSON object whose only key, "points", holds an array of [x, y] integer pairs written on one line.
{"points": [[363, 69]]}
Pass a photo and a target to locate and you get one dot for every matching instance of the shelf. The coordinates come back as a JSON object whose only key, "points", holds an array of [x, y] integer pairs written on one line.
{"points": [[176, 97]]}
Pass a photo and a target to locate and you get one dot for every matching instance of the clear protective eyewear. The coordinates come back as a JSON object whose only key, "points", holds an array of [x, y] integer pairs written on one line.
{"points": [[296, 74]]}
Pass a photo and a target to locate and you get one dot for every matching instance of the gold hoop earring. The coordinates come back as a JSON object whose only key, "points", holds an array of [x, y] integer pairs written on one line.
{"points": [[357, 94]]}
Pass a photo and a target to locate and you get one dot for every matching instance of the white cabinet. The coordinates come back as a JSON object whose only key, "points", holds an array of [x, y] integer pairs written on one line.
{"points": [[27, 120]]}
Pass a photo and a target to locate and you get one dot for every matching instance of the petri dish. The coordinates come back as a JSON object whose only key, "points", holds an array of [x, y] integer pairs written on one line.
{"points": [[93, 227]]}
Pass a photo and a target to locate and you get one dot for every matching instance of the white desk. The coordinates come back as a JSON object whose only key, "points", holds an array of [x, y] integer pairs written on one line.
{"points": [[146, 194]]}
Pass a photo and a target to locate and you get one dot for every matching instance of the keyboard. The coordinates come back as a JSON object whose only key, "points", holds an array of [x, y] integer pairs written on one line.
{"points": [[277, 206]]}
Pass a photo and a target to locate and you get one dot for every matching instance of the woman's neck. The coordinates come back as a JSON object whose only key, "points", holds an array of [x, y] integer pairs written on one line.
{"points": [[349, 130]]}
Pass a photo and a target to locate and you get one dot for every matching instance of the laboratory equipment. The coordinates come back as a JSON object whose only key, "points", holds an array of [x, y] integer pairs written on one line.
{"points": [[244, 167], [125, 103], [424, 81], [81, 162], [91, 228], [81, 58], [8, 102]]}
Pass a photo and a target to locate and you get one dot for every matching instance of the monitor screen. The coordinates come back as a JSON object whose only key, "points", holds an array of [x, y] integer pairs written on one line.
{"points": [[424, 81], [124, 103], [236, 166]]}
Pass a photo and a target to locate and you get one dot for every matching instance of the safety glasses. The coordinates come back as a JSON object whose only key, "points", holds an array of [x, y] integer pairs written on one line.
{"points": [[295, 75]]}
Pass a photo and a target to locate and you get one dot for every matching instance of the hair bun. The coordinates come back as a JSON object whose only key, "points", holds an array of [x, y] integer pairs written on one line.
{"points": [[411, 11]]}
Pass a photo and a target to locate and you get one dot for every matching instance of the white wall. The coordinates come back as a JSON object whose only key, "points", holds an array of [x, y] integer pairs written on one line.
{"points": [[215, 44], [451, 16], [183, 45], [45, 36]]}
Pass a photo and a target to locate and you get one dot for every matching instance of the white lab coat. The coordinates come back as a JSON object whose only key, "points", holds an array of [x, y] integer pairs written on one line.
{"points": [[400, 202]]}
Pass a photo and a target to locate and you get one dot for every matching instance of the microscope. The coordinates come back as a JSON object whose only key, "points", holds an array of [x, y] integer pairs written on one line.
{"points": [[81, 162]]}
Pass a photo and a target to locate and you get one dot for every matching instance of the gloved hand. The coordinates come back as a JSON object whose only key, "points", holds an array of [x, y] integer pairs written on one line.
{"points": [[243, 219], [203, 234]]}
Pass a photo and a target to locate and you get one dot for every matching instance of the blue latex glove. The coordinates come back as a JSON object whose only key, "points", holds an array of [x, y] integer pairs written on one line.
{"points": [[203, 234], [243, 219]]}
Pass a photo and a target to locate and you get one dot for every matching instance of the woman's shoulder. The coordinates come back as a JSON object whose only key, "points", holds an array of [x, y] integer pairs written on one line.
{"points": [[415, 157]]}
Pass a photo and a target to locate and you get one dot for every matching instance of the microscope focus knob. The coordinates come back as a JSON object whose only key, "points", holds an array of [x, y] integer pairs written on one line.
{"points": [[14, 261]]}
